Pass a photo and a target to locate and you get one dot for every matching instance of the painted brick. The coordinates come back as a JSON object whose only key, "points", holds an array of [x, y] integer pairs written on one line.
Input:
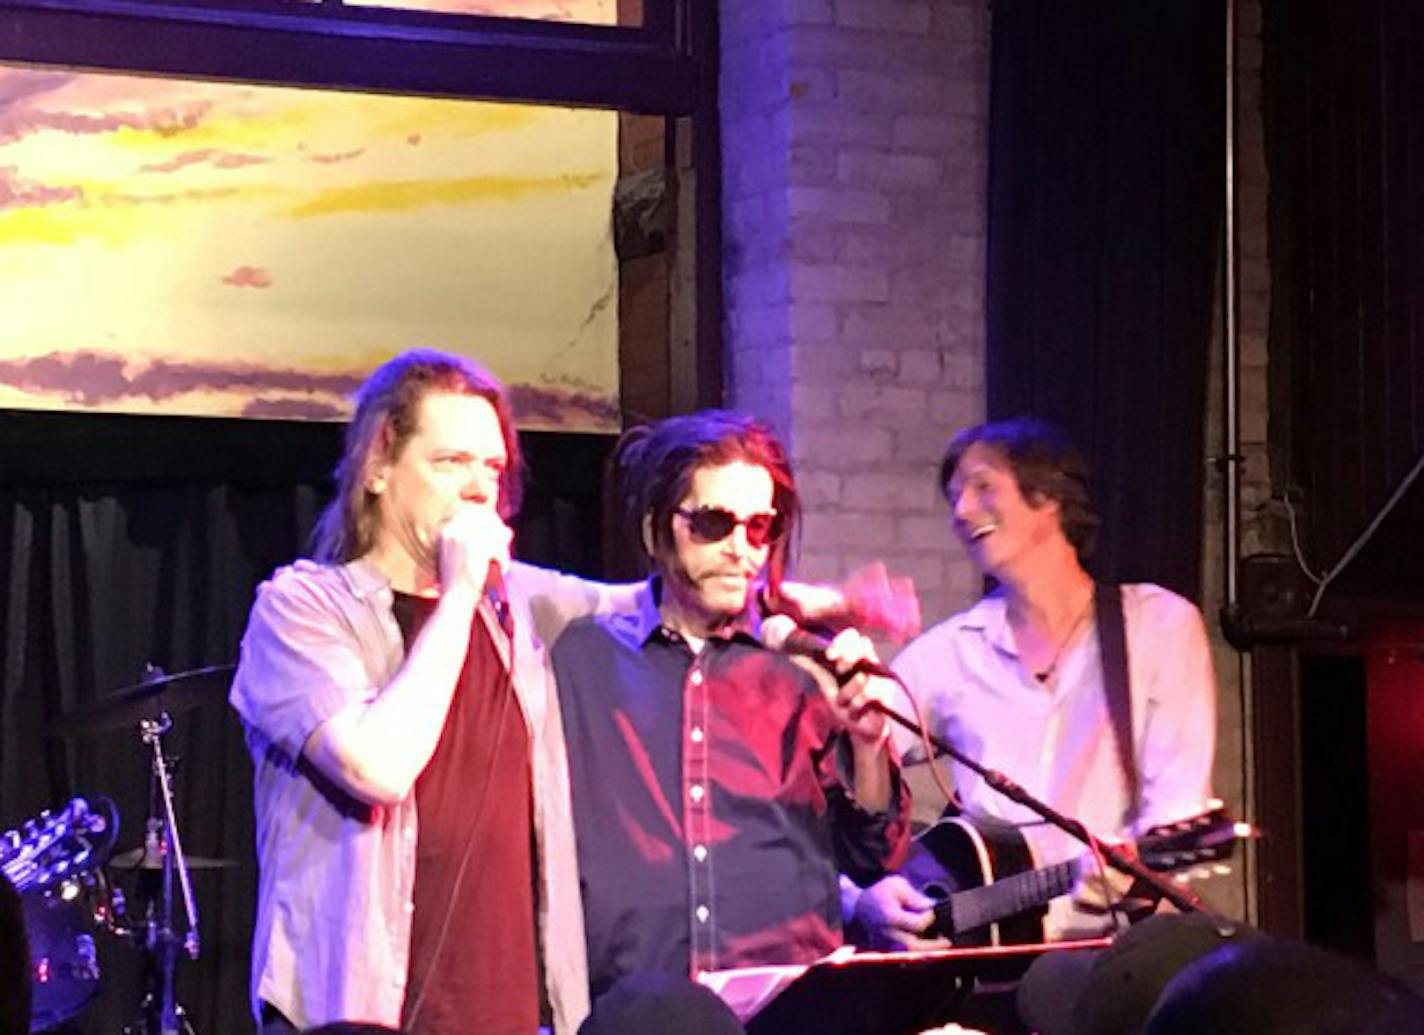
{"points": [[834, 124], [891, 93], [759, 288], [811, 165], [898, 488], [809, 12], [816, 243], [891, 327], [839, 206], [962, 21], [961, 371], [866, 168], [820, 363], [850, 445], [811, 85], [813, 405], [878, 364], [818, 488], [917, 447], [878, 337], [920, 366], [899, 245], [926, 533], [818, 566], [827, 530], [956, 407], [840, 47], [822, 283], [938, 133], [812, 323], [884, 406], [904, 16]]}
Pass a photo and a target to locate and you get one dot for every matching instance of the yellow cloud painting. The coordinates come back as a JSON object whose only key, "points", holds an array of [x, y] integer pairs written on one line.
{"points": [[181, 247]]}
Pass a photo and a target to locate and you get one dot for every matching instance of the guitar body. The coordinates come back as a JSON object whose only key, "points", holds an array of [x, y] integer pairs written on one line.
{"points": [[982, 874], [955, 856]]}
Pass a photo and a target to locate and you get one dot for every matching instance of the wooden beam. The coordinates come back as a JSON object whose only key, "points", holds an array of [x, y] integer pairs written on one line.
{"points": [[330, 46]]}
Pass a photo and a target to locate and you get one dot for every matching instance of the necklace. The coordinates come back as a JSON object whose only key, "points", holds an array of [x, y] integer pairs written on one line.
{"points": [[1045, 673]]}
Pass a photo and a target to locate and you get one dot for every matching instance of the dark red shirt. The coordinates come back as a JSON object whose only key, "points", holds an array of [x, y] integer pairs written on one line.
{"points": [[710, 801], [473, 962]]}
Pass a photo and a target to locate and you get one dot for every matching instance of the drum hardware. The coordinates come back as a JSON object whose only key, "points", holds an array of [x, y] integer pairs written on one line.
{"points": [[157, 695], [148, 857], [54, 862], [159, 1012], [158, 862]]}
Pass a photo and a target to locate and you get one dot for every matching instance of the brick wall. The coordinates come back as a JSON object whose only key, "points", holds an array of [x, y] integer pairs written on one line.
{"points": [[855, 166], [854, 200]]}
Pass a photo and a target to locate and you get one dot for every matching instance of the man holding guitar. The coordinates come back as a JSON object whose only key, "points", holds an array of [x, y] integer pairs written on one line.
{"points": [[1099, 700]]}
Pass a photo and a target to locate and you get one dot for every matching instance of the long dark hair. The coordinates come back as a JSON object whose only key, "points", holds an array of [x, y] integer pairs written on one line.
{"points": [[387, 415], [656, 463]]}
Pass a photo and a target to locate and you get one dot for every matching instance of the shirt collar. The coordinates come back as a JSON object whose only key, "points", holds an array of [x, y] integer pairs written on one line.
{"points": [[990, 616], [647, 621], [364, 578]]}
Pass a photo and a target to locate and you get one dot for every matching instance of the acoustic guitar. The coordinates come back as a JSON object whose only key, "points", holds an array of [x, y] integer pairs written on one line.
{"points": [[989, 889]]}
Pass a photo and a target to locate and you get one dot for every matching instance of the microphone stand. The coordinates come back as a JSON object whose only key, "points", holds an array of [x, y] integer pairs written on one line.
{"points": [[1183, 899], [160, 1013]]}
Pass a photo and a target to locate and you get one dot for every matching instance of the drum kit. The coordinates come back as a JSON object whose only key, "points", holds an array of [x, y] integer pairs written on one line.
{"points": [[63, 865]]}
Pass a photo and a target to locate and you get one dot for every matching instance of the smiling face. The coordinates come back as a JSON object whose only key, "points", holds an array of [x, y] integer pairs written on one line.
{"points": [[999, 528], [455, 458], [709, 583]]}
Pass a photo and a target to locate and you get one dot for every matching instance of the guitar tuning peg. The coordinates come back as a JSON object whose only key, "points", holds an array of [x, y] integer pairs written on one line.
{"points": [[1221, 869], [1201, 873]]}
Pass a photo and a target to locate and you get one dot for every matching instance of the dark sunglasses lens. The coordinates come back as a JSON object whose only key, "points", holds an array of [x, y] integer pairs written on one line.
{"points": [[759, 528], [712, 524]]}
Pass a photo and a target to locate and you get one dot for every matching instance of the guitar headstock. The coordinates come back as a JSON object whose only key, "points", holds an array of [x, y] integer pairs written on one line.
{"points": [[1208, 837], [55, 846]]}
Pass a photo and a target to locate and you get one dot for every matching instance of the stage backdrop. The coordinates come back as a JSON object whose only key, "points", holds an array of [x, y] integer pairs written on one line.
{"points": [[170, 246]]}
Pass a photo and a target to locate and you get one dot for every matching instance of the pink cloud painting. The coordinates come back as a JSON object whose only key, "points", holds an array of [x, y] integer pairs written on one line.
{"points": [[245, 250]]}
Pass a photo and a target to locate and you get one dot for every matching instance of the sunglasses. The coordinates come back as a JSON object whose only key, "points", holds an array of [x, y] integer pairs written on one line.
{"points": [[713, 524]]}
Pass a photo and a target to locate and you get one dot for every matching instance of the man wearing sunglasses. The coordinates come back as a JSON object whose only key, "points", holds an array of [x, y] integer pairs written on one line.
{"points": [[717, 785]]}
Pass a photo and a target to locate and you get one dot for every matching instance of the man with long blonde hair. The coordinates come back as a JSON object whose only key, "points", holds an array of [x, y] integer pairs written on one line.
{"points": [[413, 830]]}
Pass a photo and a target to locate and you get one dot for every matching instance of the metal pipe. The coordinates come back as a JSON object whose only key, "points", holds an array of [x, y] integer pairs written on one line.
{"points": [[1230, 305]]}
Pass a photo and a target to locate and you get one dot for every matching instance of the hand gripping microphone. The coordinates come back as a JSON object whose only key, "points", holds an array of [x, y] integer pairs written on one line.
{"points": [[781, 633]]}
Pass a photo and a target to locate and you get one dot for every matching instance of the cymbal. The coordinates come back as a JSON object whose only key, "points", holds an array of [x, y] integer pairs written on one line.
{"points": [[123, 709], [140, 859]]}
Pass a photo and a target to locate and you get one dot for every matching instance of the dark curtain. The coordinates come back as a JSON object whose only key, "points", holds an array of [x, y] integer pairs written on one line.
{"points": [[1345, 154], [1105, 211], [112, 559]]}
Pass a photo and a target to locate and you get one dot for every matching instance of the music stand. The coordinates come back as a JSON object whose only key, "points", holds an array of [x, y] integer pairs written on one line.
{"points": [[888, 993]]}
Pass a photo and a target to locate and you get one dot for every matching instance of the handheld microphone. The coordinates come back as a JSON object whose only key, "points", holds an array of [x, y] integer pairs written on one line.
{"points": [[781, 633], [498, 597]]}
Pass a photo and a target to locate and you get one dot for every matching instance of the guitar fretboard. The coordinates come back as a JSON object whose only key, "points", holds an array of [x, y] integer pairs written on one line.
{"points": [[977, 907]]}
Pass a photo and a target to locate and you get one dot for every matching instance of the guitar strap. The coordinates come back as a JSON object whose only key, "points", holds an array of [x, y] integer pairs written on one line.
{"points": [[1112, 646]]}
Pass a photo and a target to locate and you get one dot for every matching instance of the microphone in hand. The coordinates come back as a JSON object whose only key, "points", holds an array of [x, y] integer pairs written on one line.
{"points": [[781, 633], [498, 597]]}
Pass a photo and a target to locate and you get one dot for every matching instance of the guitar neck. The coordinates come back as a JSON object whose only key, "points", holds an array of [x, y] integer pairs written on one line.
{"points": [[978, 907]]}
